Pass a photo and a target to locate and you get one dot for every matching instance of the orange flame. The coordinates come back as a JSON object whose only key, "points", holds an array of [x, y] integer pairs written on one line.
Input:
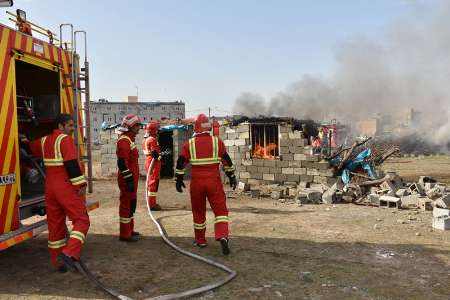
{"points": [[267, 152]]}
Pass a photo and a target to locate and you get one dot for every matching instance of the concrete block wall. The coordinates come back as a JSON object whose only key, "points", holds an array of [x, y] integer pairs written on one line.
{"points": [[295, 164], [108, 159]]}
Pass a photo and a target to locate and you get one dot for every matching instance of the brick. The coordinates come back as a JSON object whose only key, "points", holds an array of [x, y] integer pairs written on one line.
{"points": [[244, 175], [287, 170], [270, 177], [300, 171], [299, 157]]}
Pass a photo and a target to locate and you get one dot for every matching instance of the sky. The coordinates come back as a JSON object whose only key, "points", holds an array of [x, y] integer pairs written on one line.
{"points": [[206, 53]]}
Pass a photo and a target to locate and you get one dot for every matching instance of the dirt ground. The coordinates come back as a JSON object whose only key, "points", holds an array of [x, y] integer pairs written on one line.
{"points": [[280, 251]]}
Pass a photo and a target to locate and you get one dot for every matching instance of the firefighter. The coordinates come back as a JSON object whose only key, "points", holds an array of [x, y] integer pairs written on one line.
{"points": [[65, 189], [205, 152], [128, 176], [152, 151]]}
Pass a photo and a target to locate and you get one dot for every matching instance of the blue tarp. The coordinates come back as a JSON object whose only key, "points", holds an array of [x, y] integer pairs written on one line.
{"points": [[359, 161], [172, 128]]}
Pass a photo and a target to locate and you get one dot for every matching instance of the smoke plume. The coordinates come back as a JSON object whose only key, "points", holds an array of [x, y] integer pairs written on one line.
{"points": [[408, 68]]}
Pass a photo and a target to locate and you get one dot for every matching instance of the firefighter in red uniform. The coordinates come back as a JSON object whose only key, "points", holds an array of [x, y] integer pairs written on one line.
{"points": [[151, 150], [128, 176], [205, 152], [65, 189]]}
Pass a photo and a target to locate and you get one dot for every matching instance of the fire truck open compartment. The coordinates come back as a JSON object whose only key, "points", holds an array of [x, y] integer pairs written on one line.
{"points": [[38, 103]]}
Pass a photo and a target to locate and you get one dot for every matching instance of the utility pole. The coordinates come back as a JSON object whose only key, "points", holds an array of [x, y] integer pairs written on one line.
{"points": [[209, 112]]}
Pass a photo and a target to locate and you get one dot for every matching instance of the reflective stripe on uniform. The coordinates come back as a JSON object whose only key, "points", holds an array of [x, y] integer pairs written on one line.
{"points": [[179, 172], [56, 244], [220, 219], [199, 226], [152, 194], [78, 235], [215, 159], [58, 160], [124, 220], [78, 180], [146, 151], [132, 144], [229, 169]]}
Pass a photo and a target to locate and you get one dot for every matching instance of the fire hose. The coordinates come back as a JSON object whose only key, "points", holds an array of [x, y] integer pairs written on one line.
{"points": [[231, 273]]}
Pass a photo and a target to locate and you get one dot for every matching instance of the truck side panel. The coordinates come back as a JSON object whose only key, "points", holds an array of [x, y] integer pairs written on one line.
{"points": [[40, 52]]}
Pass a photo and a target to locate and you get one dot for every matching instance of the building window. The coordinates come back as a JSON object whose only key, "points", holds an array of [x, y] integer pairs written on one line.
{"points": [[265, 142]]}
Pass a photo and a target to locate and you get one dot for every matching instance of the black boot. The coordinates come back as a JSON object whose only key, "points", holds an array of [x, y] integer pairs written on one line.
{"points": [[200, 245], [131, 239], [135, 233], [157, 207], [225, 246], [66, 262]]}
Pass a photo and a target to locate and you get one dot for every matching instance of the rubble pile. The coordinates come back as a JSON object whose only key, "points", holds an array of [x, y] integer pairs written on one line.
{"points": [[361, 181]]}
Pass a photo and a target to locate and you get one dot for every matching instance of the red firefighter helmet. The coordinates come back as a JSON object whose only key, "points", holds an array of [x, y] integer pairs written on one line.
{"points": [[152, 127], [130, 120], [201, 124]]}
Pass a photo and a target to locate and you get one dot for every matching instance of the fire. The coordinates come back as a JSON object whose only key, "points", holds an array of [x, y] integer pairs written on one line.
{"points": [[267, 152]]}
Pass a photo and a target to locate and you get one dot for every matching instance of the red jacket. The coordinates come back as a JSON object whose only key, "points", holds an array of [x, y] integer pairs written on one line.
{"points": [[127, 150], [204, 152], [60, 158]]}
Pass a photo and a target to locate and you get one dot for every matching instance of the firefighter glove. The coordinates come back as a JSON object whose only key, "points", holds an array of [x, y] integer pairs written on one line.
{"points": [[155, 154], [233, 181], [179, 184]]}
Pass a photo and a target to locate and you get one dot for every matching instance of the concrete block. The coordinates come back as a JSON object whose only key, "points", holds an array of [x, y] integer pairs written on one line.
{"points": [[314, 158], [314, 196], [244, 135], [425, 204], [230, 130], [329, 196], [258, 162], [438, 212], [308, 150], [292, 149], [312, 172], [326, 173], [243, 186], [256, 175], [286, 143], [390, 202], [410, 201], [293, 178], [228, 143], [416, 189], [280, 177], [322, 165], [287, 171], [252, 169], [282, 164], [429, 185], [247, 162], [374, 199], [284, 150], [299, 157], [269, 163], [441, 223], [300, 171], [244, 175], [306, 178], [300, 142], [240, 142], [253, 183], [269, 177], [232, 136], [295, 164], [320, 179], [443, 202], [263, 170], [295, 134], [277, 194], [245, 148], [243, 128], [287, 157], [285, 128], [304, 185]]}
